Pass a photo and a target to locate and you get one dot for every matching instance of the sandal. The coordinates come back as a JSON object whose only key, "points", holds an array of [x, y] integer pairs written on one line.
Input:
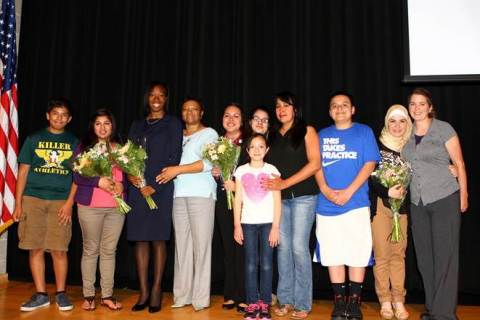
{"points": [[229, 304], [241, 307], [111, 303], [400, 312], [88, 303], [283, 309], [274, 299], [386, 311], [299, 314]]}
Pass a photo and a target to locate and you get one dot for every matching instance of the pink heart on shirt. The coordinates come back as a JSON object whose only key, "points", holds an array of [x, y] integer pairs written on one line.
{"points": [[253, 186]]}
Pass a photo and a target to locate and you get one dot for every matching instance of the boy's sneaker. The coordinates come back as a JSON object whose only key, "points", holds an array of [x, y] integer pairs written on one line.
{"points": [[63, 302], [36, 301], [264, 311], [251, 312], [353, 308], [339, 308]]}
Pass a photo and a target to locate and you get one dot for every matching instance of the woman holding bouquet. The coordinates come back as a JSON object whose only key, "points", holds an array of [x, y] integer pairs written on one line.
{"points": [[161, 136], [234, 283], [294, 150], [99, 218], [193, 211], [389, 268], [436, 199]]}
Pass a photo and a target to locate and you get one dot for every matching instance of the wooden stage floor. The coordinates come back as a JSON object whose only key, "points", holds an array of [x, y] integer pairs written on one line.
{"points": [[13, 293]]}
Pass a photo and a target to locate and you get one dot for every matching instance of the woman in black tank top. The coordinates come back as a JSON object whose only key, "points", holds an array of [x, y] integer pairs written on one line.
{"points": [[294, 150]]}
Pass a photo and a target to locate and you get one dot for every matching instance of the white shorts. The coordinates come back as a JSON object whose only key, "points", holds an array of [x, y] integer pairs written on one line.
{"points": [[345, 239]]}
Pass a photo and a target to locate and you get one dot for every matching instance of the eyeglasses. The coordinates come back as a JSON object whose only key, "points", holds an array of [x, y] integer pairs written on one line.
{"points": [[260, 120]]}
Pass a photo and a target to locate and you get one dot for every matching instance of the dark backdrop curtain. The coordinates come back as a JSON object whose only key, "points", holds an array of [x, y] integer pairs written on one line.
{"points": [[103, 53]]}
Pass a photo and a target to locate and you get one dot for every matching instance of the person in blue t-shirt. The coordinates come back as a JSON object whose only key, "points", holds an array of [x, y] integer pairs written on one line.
{"points": [[349, 154]]}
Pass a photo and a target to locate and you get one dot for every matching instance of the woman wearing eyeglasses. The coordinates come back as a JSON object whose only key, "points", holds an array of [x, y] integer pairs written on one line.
{"points": [[259, 122]]}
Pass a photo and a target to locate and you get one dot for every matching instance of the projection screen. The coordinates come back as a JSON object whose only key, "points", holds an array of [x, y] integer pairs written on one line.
{"points": [[441, 40]]}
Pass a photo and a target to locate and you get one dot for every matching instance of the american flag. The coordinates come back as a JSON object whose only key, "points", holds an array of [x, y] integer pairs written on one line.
{"points": [[8, 113]]}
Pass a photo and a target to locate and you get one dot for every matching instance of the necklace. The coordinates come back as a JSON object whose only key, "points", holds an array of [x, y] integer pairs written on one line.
{"points": [[185, 141], [152, 121], [187, 135]]}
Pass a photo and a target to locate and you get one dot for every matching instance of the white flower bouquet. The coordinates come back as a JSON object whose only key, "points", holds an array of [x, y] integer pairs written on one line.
{"points": [[96, 162], [223, 154], [394, 171], [131, 159]]}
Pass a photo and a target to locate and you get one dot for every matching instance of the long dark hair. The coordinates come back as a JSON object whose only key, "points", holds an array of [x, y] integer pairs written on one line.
{"points": [[299, 128], [90, 139]]}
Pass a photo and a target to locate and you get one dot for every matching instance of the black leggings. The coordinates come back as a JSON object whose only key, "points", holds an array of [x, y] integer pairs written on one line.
{"points": [[234, 261]]}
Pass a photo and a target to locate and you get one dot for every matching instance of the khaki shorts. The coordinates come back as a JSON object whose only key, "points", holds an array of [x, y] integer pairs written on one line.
{"points": [[39, 227]]}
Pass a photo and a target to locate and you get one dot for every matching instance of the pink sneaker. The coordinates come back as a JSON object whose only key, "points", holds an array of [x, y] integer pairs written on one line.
{"points": [[264, 311], [251, 312]]}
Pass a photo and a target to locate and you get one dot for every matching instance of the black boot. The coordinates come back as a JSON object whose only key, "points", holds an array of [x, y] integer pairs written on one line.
{"points": [[339, 308], [353, 308]]}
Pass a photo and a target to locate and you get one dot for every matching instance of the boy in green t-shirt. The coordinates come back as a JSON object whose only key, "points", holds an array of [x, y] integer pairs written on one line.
{"points": [[43, 202]]}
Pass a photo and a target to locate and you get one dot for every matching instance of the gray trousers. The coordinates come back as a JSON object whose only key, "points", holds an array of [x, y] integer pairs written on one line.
{"points": [[436, 235], [193, 221], [101, 229]]}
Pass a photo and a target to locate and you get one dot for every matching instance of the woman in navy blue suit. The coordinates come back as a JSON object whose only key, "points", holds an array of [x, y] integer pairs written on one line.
{"points": [[161, 136]]}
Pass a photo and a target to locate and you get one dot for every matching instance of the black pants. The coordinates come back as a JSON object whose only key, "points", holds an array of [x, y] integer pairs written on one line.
{"points": [[436, 235], [234, 261]]}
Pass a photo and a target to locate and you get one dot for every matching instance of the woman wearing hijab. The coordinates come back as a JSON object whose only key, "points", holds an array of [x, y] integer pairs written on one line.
{"points": [[389, 268]]}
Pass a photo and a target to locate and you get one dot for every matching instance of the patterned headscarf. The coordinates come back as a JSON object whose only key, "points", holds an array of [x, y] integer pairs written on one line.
{"points": [[388, 140]]}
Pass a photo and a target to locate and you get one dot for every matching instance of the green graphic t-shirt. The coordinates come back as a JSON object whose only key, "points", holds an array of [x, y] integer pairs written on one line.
{"points": [[48, 155]]}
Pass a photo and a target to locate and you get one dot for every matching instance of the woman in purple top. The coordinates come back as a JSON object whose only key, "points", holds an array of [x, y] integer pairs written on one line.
{"points": [[99, 218]]}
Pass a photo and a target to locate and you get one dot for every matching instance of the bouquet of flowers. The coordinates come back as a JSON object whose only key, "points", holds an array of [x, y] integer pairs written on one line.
{"points": [[223, 154], [131, 159], [96, 163], [394, 171]]}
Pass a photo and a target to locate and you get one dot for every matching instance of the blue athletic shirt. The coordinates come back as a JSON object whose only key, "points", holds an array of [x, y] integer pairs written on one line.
{"points": [[344, 153]]}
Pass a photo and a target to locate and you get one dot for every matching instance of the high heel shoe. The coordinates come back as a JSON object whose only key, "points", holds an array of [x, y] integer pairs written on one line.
{"points": [[153, 309], [140, 306]]}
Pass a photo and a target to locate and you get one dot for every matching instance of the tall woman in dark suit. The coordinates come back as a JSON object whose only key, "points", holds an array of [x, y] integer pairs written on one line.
{"points": [[161, 135]]}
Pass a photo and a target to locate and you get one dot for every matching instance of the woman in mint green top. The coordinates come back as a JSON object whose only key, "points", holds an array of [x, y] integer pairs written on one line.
{"points": [[193, 211]]}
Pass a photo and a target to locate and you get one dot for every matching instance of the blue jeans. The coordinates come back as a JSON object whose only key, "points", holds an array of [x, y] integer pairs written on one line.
{"points": [[294, 260], [257, 249]]}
